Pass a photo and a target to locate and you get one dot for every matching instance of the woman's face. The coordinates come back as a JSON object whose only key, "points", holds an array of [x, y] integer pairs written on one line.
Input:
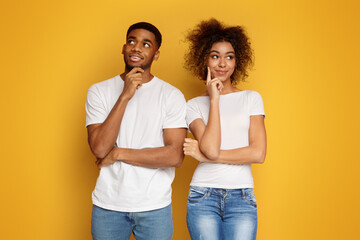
{"points": [[221, 61]]}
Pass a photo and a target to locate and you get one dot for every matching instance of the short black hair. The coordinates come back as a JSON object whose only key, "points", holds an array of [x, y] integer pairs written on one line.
{"points": [[149, 27]]}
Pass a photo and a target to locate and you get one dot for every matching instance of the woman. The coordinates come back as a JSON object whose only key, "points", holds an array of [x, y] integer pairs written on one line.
{"points": [[228, 126]]}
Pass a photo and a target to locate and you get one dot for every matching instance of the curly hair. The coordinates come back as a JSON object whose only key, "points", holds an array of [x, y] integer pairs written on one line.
{"points": [[204, 35]]}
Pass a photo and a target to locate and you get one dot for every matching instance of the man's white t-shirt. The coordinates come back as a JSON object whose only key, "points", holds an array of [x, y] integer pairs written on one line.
{"points": [[235, 111], [156, 105]]}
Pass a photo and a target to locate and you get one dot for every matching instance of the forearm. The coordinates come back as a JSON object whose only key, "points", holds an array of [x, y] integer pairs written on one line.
{"points": [[245, 155], [255, 152], [211, 139], [167, 156], [102, 138]]}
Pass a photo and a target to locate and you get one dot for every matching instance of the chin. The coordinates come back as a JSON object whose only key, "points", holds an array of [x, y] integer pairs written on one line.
{"points": [[222, 78], [131, 66]]}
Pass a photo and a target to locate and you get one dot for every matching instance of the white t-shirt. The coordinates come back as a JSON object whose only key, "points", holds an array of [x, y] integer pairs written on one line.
{"points": [[155, 106], [235, 111]]}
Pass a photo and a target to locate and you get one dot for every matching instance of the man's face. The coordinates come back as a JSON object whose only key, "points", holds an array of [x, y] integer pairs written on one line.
{"points": [[140, 49]]}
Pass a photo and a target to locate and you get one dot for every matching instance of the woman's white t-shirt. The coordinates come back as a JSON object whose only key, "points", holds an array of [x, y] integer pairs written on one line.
{"points": [[235, 111]]}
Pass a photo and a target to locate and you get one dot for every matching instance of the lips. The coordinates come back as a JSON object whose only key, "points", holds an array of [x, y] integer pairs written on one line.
{"points": [[135, 58], [221, 72]]}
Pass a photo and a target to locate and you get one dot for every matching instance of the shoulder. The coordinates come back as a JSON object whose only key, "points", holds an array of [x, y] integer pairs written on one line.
{"points": [[197, 101], [255, 103], [165, 85], [248, 98], [251, 95], [106, 84], [168, 89]]}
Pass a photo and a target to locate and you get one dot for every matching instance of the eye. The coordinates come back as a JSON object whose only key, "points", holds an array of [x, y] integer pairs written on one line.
{"points": [[131, 42], [230, 57], [214, 56], [146, 45]]}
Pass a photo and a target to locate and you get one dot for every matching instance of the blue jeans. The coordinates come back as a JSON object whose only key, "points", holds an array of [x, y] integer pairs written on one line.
{"points": [[149, 225], [215, 213]]}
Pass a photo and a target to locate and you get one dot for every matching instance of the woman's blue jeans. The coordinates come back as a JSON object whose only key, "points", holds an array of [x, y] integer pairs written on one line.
{"points": [[215, 213]]}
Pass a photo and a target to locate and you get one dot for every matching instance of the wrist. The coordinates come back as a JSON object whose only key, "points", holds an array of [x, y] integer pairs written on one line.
{"points": [[202, 158], [124, 98], [115, 154], [214, 99]]}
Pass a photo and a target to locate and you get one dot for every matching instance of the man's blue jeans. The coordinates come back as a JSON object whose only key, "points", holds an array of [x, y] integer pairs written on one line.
{"points": [[214, 214], [149, 225]]}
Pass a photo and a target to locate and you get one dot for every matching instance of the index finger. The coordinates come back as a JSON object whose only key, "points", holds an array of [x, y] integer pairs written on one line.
{"points": [[135, 70], [208, 75]]}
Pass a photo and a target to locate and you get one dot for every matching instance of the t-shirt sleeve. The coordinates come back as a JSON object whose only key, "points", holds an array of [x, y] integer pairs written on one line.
{"points": [[256, 104], [95, 109], [175, 110], [192, 112]]}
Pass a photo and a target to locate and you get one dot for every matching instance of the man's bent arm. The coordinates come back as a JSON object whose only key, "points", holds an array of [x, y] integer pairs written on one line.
{"points": [[171, 155], [102, 136]]}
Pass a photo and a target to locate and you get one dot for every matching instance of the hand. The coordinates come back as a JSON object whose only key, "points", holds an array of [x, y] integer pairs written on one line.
{"points": [[214, 86], [191, 148], [132, 82], [106, 161]]}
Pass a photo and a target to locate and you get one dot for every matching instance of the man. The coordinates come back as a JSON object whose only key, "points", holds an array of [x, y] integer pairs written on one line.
{"points": [[136, 128]]}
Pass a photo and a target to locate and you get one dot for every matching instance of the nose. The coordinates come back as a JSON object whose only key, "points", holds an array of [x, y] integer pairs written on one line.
{"points": [[222, 62], [137, 47]]}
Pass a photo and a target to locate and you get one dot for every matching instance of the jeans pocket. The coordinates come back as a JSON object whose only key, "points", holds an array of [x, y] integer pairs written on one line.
{"points": [[250, 196], [197, 194]]}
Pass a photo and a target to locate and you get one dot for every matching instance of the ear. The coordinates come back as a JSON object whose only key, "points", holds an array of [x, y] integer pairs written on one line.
{"points": [[123, 49], [157, 55]]}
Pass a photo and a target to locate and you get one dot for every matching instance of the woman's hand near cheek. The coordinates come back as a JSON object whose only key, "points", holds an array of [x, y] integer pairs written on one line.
{"points": [[214, 86]]}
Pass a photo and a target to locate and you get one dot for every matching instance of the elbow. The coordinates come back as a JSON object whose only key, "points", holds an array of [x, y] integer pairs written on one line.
{"points": [[177, 161], [96, 148], [99, 154], [211, 154], [98, 151], [261, 160], [177, 157], [177, 164], [260, 156]]}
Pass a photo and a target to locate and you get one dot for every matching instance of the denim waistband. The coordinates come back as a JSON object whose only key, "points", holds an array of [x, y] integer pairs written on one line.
{"points": [[222, 191]]}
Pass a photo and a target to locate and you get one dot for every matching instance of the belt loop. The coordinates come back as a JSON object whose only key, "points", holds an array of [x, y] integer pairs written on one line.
{"points": [[242, 193], [208, 193]]}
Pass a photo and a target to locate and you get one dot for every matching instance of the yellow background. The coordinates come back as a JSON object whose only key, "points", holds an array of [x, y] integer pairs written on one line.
{"points": [[306, 69]]}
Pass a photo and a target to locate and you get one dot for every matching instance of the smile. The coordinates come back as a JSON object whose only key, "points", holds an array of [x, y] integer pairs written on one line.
{"points": [[135, 58], [221, 72]]}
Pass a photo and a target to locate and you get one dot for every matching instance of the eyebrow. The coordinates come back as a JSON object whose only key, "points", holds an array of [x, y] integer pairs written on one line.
{"points": [[219, 52]]}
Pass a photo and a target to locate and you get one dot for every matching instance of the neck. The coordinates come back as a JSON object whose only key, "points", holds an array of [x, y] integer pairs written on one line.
{"points": [[228, 87]]}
